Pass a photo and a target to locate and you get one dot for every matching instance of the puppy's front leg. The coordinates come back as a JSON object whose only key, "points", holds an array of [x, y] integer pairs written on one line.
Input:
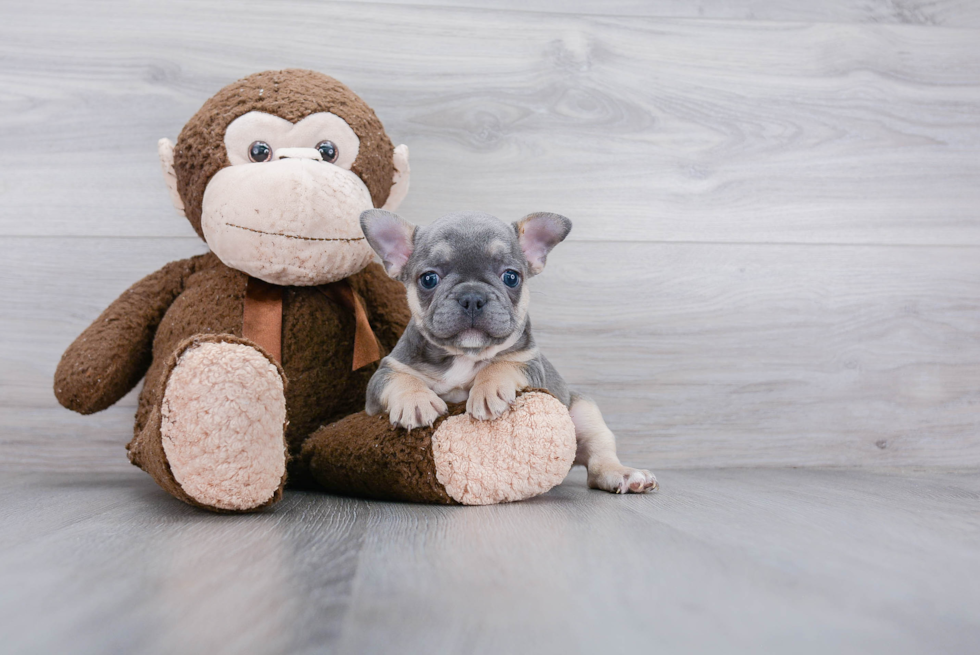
{"points": [[597, 451], [495, 388], [407, 399]]}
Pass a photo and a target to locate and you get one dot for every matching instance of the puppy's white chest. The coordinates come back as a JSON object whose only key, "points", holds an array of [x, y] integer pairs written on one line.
{"points": [[458, 379]]}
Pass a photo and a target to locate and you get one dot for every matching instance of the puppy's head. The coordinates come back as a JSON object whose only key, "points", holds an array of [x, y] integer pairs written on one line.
{"points": [[465, 273]]}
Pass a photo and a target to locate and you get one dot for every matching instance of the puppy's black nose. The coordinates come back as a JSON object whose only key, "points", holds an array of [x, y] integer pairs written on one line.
{"points": [[472, 302]]}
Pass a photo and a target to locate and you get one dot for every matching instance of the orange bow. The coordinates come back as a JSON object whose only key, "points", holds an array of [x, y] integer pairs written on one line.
{"points": [[262, 322]]}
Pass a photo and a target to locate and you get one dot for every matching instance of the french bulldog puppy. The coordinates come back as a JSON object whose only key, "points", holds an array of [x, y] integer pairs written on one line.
{"points": [[470, 336]]}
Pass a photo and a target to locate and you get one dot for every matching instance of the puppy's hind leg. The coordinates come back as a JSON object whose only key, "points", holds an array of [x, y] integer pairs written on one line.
{"points": [[597, 452]]}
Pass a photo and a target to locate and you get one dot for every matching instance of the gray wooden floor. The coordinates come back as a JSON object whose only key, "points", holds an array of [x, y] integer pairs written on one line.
{"points": [[721, 561]]}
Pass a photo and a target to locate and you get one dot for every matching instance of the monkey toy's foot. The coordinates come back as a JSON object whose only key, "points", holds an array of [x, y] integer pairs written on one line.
{"points": [[219, 428]]}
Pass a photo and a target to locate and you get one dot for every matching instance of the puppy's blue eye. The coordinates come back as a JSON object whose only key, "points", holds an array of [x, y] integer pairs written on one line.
{"points": [[511, 278], [429, 280]]}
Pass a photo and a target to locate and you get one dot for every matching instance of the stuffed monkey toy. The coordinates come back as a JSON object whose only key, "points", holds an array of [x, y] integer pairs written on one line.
{"points": [[256, 355]]}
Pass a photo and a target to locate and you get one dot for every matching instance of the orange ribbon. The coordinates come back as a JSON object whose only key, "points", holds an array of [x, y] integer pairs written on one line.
{"points": [[262, 323], [366, 348], [263, 318]]}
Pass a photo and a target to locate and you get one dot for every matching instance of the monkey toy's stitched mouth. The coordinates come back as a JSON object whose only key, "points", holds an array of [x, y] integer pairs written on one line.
{"points": [[293, 236]]}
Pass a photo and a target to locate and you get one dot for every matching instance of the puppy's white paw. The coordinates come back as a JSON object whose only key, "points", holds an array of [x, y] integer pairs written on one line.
{"points": [[620, 479], [491, 398], [414, 409]]}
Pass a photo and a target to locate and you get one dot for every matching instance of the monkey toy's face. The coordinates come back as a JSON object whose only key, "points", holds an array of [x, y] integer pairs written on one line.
{"points": [[287, 208], [288, 185]]}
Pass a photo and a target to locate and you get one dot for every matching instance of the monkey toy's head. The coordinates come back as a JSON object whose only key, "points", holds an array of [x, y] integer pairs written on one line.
{"points": [[275, 170]]}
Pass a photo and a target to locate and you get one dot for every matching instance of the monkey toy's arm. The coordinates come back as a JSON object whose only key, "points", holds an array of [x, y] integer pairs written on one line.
{"points": [[113, 354]]}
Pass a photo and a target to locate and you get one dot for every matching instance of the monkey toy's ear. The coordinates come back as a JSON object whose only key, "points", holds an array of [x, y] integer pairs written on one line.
{"points": [[399, 182], [165, 148]]}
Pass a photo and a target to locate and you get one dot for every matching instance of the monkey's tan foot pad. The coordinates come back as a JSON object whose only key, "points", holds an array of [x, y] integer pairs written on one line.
{"points": [[524, 453], [460, 460], [222, 421]]}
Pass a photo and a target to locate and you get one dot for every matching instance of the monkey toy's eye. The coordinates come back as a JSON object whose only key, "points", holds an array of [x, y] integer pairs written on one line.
{"points": [[511, 278], [429, 280], [328, 150], [259, 152]]}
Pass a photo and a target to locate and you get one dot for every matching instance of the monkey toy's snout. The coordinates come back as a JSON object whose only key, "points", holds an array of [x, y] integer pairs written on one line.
{"points": [[291, 221], [298, 153]]}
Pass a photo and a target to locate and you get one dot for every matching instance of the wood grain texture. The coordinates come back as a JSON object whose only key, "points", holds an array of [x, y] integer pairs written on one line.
{"points": [[733, 561], [638, 128], [950, 13], [723, 355], [774, 258]]}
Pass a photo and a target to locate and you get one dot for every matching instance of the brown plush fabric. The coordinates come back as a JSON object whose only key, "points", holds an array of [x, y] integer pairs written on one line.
{"points": [[211, 301], [365, 456], [146, 448], [292, 94], [317, 339], [111, 356], [201, 296]]}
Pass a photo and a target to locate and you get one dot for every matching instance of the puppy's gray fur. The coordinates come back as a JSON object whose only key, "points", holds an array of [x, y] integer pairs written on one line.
{"points": [[470, 335]]}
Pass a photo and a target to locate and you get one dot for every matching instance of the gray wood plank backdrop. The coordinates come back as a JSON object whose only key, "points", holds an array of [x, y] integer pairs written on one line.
{"points": [[776, 253]]}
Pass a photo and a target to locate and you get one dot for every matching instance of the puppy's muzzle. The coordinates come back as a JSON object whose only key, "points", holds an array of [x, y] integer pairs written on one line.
{"points": [[472, 302]]}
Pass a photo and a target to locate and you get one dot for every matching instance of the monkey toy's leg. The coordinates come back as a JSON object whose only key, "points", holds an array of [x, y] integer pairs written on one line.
{"points": [[458, 460], [216, 438]]}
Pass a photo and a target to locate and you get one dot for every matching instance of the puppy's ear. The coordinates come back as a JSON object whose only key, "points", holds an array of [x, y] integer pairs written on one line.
{"points": [[538, 234], [391, 236]]}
